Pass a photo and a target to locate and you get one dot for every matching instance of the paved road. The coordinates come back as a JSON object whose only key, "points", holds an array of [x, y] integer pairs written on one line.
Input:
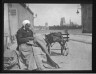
{"points": [[80, 54], [81, 38], [79, 58]]}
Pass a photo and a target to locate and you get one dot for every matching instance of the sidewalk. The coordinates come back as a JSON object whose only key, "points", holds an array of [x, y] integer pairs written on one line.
{"points": [[85, 34], [85, 38]]}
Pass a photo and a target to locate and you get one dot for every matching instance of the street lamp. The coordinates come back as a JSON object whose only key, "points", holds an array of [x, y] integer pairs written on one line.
{"points": [[35, 16], [78, 10], [78, 7]]}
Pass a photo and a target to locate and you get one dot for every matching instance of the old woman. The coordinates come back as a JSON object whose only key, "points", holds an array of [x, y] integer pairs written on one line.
{"points": [[29, 52]]}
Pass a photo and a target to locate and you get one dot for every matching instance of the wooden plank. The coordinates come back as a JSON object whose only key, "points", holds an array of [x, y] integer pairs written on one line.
{"points": [[65, 37], [65, 34]]}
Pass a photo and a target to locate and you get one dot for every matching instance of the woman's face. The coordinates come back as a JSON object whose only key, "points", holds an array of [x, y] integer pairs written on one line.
{"points": [[27, 26]]}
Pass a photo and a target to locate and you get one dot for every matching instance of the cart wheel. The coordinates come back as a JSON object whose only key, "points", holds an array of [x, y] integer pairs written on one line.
{"points": [[62, 51], [66, 52], [49, 50]]}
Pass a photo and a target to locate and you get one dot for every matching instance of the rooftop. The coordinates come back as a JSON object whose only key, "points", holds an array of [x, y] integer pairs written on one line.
{"points": [[24, 5]]}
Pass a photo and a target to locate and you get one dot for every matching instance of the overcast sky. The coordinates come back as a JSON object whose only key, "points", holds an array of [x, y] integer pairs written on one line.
{"points": [[52, 13]]}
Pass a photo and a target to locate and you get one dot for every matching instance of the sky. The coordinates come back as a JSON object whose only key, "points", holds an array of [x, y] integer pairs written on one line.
{"points": [[52, 13]]}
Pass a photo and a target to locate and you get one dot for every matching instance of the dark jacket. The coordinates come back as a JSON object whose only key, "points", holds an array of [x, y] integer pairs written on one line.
{"points": [[22, 36]]}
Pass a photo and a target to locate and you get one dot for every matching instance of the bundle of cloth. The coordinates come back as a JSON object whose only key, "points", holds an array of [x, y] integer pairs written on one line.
{"points": [[42, 58]]}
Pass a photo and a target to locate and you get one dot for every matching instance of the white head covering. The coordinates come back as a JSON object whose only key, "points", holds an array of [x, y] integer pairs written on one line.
{"points": [[25, 22]]}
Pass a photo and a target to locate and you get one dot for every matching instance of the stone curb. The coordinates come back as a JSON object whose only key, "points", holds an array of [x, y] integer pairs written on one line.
{"points": [[81, 41]]}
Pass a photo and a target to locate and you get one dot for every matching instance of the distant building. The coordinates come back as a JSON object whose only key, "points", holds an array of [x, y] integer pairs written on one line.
{"points": [[14, 14], [41, 27], [86, 10], [62, 22], [46, 25], [37, 27]]}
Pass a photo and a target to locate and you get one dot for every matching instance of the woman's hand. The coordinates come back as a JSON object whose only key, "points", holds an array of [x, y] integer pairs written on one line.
{"points": [[30, 38]]}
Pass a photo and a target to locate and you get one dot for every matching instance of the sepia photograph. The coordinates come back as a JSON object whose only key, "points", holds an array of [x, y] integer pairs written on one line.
{"points": [[47, 37]]}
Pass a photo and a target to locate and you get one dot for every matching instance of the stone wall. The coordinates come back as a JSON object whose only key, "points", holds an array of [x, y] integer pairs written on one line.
{"points": [[86, 17]]}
